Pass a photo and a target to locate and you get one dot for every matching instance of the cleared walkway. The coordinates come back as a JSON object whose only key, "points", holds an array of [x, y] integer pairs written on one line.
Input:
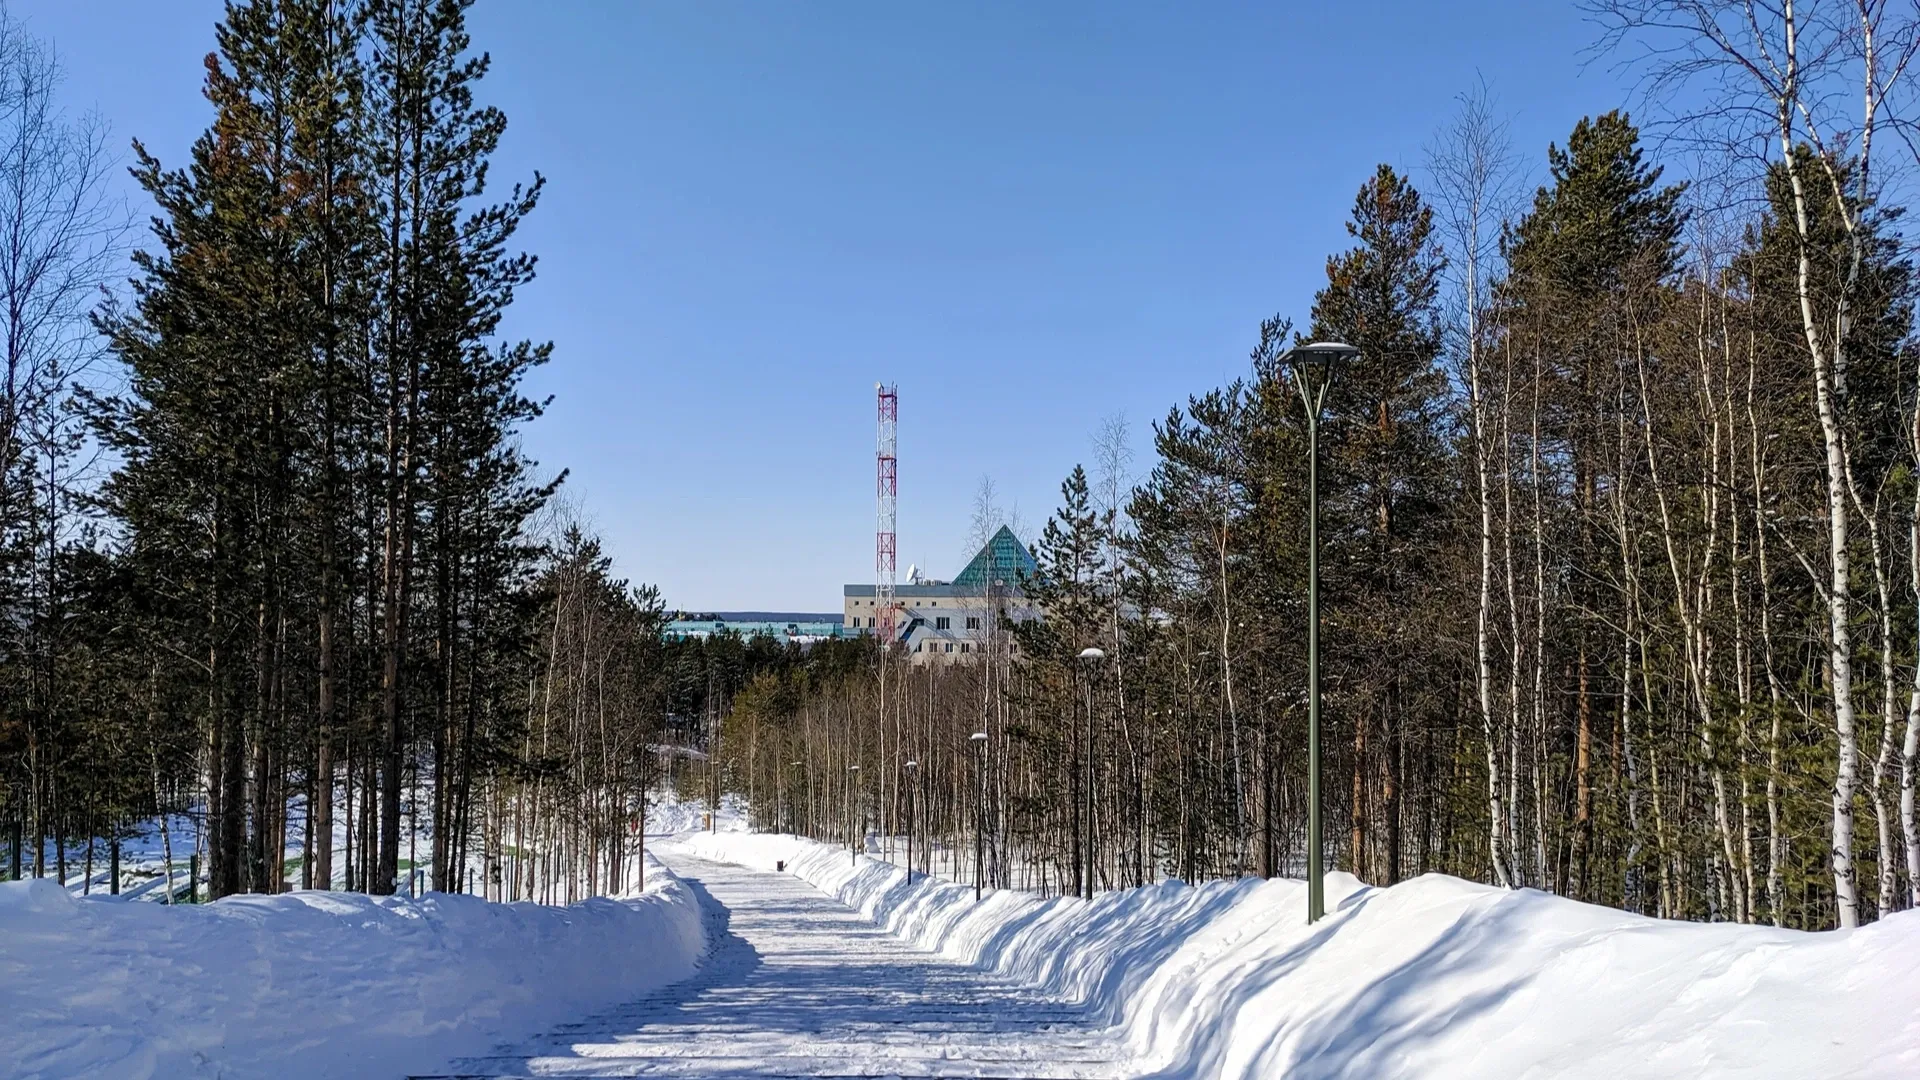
{"points": [[799, 985]]}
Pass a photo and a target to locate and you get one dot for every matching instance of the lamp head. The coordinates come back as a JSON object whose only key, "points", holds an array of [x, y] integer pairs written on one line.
{"points": [[978, 736], [1322, 352], [1091, 654]]}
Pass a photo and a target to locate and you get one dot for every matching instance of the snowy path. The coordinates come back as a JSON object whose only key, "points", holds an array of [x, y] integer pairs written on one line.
{"points": [[799, 985]]}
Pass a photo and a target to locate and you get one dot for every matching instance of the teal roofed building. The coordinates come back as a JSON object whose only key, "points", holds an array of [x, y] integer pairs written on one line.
{"points": [[1003, 562], [950, 620]]}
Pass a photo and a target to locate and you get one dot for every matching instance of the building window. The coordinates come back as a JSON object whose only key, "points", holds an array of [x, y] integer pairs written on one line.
{"points": [[973, 622], [941, 622], [964, 647], [869, 620], [949, 646]]}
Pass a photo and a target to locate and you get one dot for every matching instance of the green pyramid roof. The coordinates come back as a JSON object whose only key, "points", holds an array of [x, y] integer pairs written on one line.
{"points": [[1003, 561]]}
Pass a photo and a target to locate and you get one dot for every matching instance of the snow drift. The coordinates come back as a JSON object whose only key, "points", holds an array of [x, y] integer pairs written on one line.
{"points": [[314, 985], [1435, 977]]}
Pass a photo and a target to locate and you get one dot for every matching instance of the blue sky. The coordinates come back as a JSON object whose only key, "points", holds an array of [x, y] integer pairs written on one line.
{"points": [[1030, 216]]}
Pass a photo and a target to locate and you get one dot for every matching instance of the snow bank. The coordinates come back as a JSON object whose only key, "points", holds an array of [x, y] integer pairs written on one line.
{"points": [[310, 985], [1433, 978]]}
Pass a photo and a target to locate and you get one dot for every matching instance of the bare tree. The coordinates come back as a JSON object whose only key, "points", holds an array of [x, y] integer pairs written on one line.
{"points": [[60, 232], [1473, 177], [59, 238], [988, 516]]}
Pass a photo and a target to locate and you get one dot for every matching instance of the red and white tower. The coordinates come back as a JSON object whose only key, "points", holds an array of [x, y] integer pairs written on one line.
{"points": [[887, 488]]}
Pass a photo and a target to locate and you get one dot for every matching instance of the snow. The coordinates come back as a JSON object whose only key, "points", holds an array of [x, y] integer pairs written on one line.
{"points": [[1433, 978], [668, 813], [843, 966], [312, 985], [143, 866], [143, 863], [799, 984]]}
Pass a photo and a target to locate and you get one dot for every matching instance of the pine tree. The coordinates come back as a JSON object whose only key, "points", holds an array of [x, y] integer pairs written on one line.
{"points": [[217, 364], [1589, 264], [1386, 480], [444, 278], [313, 384]]}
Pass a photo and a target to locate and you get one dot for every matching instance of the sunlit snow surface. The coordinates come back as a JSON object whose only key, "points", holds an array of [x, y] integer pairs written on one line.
{"points": [[1435, 977], [798, 984], [840, 967], [313, 984]]}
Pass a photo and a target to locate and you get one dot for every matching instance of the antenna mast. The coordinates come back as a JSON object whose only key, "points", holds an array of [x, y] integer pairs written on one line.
{"points": [[887, 487]]}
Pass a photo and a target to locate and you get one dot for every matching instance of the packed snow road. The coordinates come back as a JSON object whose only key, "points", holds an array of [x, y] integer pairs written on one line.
{"points": [[799, 985]]}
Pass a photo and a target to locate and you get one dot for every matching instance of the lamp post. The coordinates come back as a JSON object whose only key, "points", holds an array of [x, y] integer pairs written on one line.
{"points": [[1325, 354], [979, 741], [1089, 657], [853, 814], [794, 823], [911, 766]]}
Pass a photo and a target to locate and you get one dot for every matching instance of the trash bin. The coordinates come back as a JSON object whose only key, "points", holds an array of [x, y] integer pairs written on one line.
{"points": [[780, 865]]}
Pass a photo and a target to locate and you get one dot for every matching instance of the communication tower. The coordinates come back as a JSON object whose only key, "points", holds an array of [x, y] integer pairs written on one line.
{"points": [[887, 489]]}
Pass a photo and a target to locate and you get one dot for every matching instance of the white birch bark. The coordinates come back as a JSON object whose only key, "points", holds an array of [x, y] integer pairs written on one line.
{"points": [[1776, 838], [1689, 602], [1471, 165], [1534, 467], [1910, 746], [1513, 613], [1889, 712], [1758, 45]]}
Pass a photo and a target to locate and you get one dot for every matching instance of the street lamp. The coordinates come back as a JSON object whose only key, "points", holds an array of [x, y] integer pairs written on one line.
{"points": [[794, 816], [979, 741], [910, 767], [1089, 657], [853, 809], [1326, 355]]}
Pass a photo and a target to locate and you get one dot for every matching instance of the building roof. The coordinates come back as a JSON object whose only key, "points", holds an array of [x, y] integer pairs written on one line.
{"points": [[1003, 562], [931, 591]]}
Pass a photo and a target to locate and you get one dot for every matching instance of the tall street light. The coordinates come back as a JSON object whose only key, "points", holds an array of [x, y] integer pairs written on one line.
{"points": [[1325, 355], [1089, 658], [979, 741], [910, 766], [797, 803], [855, 832]]}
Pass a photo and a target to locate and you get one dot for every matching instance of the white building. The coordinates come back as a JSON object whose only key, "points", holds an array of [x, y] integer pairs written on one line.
{"points": [[942, 620]]}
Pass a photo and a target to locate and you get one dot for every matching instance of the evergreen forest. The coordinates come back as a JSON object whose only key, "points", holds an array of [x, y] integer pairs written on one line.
{"points": [[1618, 516]]}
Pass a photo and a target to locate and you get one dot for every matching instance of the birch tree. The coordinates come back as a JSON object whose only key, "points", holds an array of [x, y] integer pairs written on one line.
{"points": [[1777, 73]]}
